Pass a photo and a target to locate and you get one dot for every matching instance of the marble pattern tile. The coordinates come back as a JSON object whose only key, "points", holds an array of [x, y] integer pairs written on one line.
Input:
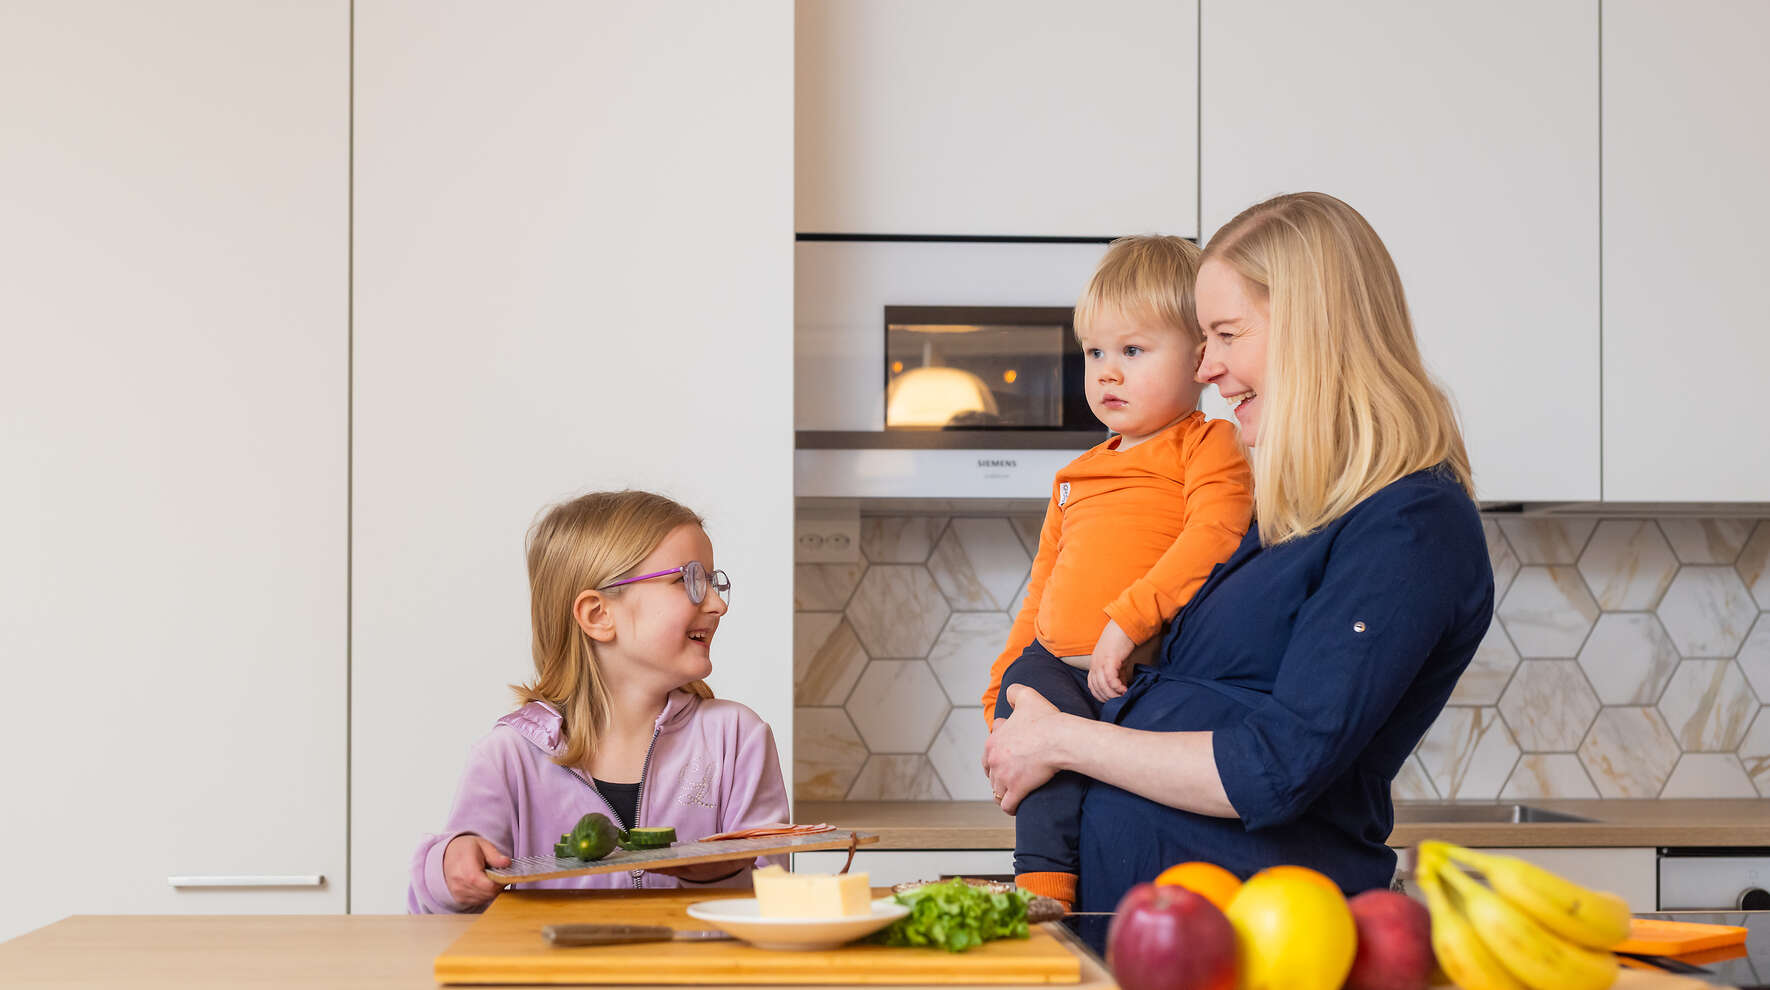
{"points": [[898, 778], [1412, 783], [897, 611], [1549, 706], [1754, 752], [1629, 658], [1548, 775], [1754, 657], [1629, 752], [1627, 564], [1027, 528], [1753, 564], [1708, 611], [1709, 775], [899, 539], [1706, 541], [1019, 601], [962, 656], [978, 564], [1468, 753], [1708, 705], [825, 587], [827, 658], [898, 706], [1541, 540], [1500, 555], [1548, 612], [1488, 671], [827, 754], [957, 755]]}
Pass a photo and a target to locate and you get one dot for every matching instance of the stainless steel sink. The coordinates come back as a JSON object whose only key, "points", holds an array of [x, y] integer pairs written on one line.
{"points": [[1431, 812]]}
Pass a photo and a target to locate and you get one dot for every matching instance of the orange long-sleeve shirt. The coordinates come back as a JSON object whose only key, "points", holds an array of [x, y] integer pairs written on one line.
{"points": [[1129, 536]]}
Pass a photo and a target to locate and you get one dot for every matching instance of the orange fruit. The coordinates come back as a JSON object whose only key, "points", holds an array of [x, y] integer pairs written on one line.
{"points": [[1293, 931], [1208, 880]]}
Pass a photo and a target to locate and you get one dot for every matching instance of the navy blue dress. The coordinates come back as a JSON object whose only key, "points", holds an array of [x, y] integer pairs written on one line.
{"points": [[1318, 664]]}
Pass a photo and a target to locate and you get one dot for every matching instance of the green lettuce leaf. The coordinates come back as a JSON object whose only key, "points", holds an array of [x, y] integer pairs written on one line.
{"points": [[956, 916]]}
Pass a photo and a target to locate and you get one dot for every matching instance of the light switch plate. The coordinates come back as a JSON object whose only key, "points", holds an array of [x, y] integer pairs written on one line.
{"points": [[826, 536]]}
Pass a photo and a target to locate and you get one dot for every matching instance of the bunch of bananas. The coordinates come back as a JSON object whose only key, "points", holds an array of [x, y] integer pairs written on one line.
{"points": [[1525, 929]]}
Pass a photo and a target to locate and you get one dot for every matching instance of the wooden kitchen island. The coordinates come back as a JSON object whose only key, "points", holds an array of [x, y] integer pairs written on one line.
{"points": [[265, 952]]}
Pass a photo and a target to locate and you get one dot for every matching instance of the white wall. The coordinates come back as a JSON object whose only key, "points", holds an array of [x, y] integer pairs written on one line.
{"points": [[573, 272]]}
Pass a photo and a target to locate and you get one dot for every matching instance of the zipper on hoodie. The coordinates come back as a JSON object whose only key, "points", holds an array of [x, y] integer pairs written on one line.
{"points": [[638, 876]]}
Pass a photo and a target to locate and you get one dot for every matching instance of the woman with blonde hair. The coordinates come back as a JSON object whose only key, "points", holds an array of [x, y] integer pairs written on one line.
{"points": [[1293, 686]]}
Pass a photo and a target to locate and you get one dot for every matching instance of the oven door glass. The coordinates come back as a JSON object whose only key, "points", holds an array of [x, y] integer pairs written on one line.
{"points": [[983, 374]]}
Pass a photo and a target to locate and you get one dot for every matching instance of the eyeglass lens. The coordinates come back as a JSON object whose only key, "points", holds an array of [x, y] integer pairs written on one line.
{"points": [[695, 581]]}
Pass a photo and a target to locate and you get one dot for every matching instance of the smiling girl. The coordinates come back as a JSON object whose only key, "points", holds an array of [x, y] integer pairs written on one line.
{"points": [[624, 604]]}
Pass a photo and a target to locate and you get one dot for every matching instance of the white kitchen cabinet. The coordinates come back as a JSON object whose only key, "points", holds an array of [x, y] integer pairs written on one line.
{"points": [[1685, 210], [173, 401], [997, 117], [573, 271], [1467, 134]]}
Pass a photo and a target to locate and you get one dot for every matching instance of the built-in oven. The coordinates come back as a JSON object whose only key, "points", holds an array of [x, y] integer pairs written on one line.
{"points": [[1014, 368]]}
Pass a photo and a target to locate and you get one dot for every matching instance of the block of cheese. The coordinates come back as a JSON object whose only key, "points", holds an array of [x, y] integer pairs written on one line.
{"points": [[780, 894]]}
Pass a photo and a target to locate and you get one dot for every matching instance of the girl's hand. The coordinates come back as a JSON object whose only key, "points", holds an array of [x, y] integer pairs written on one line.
{"points": [[464, 867], [1107, 660], [1020, 754], [704, 872]]}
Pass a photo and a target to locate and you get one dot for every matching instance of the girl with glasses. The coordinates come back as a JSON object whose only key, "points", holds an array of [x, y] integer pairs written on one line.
{"points": [[624, 605]]}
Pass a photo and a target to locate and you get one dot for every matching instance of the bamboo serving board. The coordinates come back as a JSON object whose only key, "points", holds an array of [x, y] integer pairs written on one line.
{"points": [[523, 869], [505, 946]]}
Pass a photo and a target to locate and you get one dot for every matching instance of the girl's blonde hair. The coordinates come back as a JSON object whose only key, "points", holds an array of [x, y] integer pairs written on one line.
{"points": [[1150, 275], [575, 546], [1349, 406]]}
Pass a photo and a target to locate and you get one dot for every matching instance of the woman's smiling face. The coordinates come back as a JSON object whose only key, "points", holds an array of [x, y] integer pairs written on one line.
{"points": [[1233, 313]]}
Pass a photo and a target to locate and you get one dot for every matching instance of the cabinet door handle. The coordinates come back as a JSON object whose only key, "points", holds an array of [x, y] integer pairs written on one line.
{"points": [[248, 880]]}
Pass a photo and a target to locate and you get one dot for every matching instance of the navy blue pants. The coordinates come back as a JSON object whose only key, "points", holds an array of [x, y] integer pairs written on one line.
{"points": [[1047, 825]]}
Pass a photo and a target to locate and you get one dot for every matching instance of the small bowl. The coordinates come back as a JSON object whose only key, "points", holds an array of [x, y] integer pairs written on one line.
{"points": [[742, 917]]}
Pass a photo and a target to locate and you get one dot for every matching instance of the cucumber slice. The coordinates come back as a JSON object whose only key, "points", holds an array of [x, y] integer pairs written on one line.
{"points": [[649, 838]]}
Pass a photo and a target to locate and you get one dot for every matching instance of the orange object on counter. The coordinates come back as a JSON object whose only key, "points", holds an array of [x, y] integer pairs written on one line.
{"points": [[1676, 938]]}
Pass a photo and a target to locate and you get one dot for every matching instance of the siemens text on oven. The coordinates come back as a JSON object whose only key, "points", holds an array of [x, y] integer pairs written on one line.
{"points": [[996, 462]]}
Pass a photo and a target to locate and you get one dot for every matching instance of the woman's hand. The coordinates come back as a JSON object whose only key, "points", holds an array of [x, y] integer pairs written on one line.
{"points": [[1108, 658], [464, 867], [1020, 754]]}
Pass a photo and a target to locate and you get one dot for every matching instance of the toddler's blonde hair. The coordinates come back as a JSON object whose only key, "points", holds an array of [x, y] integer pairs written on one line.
{"points": [[575, 546], [1349, 406], [1146, 275]]}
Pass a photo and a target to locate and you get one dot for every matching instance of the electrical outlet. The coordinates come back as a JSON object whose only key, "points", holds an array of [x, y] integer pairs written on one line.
{"points": [[826, 537]]}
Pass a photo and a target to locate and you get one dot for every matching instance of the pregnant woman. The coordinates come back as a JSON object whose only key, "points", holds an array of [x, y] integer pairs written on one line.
{"points": [[1292, 687]]}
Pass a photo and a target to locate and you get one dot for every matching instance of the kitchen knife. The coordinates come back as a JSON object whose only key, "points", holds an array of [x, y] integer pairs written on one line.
{"points": [[626, 934]]}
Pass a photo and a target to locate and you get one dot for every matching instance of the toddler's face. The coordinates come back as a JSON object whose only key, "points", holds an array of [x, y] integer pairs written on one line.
{"points": [[1138, 374]]}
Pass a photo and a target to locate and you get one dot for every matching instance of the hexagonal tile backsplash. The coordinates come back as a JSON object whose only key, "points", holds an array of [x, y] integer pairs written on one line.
{"points": [[1629, 657]]}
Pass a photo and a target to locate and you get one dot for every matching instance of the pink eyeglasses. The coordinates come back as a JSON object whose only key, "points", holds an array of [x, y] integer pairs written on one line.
{"points": [[694, 581]]}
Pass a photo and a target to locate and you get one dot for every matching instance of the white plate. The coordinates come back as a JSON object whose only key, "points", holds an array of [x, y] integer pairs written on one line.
{"points": [[742, 917]]}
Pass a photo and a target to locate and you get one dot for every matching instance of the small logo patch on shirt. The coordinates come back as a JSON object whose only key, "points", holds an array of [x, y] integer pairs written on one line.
{"points": [[1062, 493]]}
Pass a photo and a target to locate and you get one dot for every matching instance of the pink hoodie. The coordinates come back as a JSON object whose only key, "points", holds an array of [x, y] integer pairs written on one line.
{"points": [[712, 768]]}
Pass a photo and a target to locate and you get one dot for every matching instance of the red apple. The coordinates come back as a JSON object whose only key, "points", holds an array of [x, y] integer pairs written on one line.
{"points": [[1394, 942], [1169, 938]]}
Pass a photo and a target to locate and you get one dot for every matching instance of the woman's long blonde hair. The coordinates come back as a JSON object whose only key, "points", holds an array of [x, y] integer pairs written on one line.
{"points": [[578, 545], [1349, 406]]}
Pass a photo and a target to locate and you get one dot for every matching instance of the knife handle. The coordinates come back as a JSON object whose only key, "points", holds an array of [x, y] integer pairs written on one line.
{"points": [[606, 934]]}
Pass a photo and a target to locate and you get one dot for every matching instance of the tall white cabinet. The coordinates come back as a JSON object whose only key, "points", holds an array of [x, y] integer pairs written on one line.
{"points": [[997, 117], [1686, 330], [173, 305], [573, 271], [1468, 135]]}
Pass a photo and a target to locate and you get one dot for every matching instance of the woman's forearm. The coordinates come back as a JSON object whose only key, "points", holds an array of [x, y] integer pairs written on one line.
{"points": [[1178, 769]]}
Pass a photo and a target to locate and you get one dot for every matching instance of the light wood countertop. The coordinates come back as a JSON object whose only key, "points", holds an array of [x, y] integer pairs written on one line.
{"points": [[1616, 823]]}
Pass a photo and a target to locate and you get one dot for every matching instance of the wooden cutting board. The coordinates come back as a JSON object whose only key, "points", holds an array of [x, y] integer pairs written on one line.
{"points": [[505, 946]]}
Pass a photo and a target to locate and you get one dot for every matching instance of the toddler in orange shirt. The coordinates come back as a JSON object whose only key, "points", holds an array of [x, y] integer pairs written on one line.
{"points": [[1134, 525]]}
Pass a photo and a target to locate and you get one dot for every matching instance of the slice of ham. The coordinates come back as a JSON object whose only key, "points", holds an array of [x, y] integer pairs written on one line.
{"points": [[771, 831]]}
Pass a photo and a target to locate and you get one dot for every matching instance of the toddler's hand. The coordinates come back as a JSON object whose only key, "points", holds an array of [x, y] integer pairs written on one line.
{"points": [[464, 867], [1107, 660]]}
